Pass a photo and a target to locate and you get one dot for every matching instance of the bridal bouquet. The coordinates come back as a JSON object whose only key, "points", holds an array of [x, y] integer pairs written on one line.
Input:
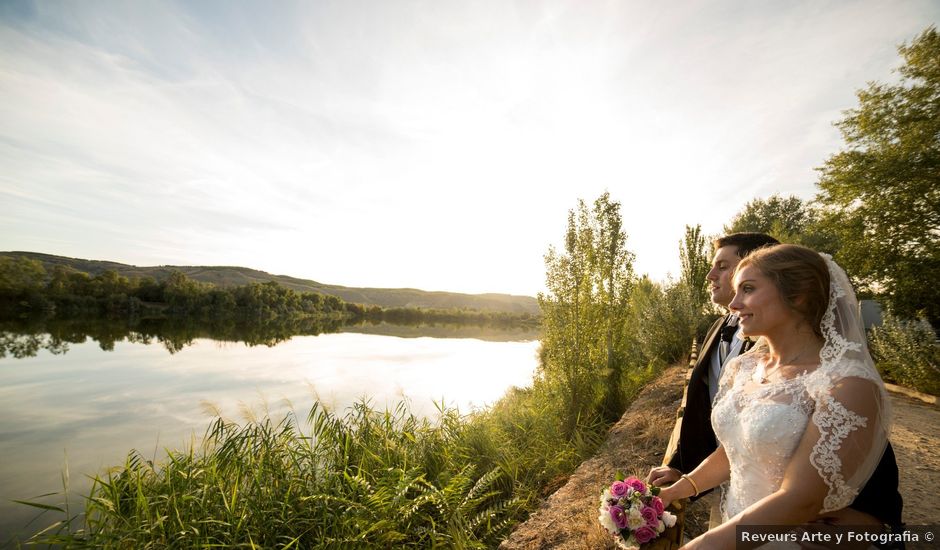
{"points": [[633, 513]]}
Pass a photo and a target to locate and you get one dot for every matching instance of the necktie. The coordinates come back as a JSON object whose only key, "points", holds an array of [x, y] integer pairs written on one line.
{"points": [[727, 335]]}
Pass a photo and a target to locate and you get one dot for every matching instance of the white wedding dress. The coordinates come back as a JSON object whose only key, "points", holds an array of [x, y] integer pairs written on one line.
{"points": [[760, 426], [760, 423]]}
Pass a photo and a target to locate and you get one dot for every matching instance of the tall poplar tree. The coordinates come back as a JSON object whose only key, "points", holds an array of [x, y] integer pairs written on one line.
{"points": [[583, 311], [695, 262], [612, 268]]}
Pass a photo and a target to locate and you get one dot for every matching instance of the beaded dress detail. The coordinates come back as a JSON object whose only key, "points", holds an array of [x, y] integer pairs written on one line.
{"points": [[842, 402]]}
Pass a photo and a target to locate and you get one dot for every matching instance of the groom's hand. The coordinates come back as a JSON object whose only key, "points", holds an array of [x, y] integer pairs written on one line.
{"points": [[663, 475]]}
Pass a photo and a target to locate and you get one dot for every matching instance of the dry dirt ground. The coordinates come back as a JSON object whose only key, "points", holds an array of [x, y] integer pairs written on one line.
{"points": [[916, 440], [568, 518]]}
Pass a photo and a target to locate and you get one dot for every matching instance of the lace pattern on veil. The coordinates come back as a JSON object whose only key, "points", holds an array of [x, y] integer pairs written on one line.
{"points": [[844, 355]]}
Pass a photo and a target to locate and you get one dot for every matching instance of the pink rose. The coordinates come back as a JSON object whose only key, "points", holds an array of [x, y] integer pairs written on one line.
{"points": [[649, 515], [644, 534], [636, 484], [618, 489], [619, 516], [657, 504]]}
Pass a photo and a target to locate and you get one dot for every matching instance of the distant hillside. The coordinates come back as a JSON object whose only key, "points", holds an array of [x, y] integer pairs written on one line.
{"points": [[224, 276]]}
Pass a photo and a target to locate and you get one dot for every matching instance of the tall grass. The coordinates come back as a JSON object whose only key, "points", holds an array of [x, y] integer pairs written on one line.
{"points": [[363, 479]]}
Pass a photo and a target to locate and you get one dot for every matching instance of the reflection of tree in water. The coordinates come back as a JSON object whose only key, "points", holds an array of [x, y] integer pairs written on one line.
{"points": [[26, 337], [28, 345]]}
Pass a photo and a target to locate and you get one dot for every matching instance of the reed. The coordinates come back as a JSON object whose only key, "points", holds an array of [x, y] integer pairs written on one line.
{"points": [[366, 478]]}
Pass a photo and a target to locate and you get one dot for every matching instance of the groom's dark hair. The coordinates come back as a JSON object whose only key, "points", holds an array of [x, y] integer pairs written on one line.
{"points": [[745, 242]]}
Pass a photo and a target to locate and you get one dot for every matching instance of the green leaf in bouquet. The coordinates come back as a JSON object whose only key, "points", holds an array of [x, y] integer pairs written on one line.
{"points": [[620, 476], [655, 490]]}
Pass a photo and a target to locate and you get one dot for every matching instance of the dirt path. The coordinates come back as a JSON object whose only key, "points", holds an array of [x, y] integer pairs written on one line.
{"points": [[916, 440], [568, 518]]}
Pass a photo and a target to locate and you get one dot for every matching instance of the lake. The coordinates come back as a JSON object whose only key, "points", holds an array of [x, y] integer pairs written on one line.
{"points": [[87, 407]]}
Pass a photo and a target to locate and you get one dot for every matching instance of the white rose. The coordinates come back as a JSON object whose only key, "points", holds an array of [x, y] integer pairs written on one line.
{"points": [[606, 521], [669, 519], [605, 495], [634, 519], [660, 527]]}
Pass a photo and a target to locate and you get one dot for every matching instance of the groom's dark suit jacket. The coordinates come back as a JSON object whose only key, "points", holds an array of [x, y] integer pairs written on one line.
{"points": [[696, 437], [879, 497]]}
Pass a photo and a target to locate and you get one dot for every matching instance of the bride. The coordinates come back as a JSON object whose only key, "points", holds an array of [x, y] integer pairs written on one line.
{"points": [[803, 419]]}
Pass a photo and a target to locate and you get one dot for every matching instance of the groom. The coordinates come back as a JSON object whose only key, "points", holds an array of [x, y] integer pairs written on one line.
{"points": [[722, 343], [879, 497]]}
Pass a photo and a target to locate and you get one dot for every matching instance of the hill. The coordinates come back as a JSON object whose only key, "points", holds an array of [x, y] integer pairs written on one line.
{"points": [[226, 276]]}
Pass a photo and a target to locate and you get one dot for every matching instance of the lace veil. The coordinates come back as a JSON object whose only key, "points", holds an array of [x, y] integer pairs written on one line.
{"points": [[852, 412]]}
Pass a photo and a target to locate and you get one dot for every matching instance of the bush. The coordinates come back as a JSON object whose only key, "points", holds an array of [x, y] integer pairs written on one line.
{"points": [[663, 322], [906, 353]]}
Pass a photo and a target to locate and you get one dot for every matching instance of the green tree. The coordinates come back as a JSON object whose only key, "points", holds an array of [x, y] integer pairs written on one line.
{"points": [[149, 290], [583, 311], [109, 283], [612, 269], [881, 193], [58, 284], [22, 282], [20, 274], [182, 294], [777, 216], [788, 219], [661, 323], [564, 361], [695, 263]]}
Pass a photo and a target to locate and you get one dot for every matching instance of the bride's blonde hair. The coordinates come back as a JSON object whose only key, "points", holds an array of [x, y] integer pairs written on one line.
{"points": [[800, 275]]}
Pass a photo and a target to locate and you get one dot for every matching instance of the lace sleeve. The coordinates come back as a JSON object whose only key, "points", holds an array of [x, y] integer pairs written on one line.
{"points": [[849, 416]]}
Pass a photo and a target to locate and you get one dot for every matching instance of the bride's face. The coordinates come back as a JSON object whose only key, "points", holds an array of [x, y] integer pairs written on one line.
{"points": [[759, 305]]}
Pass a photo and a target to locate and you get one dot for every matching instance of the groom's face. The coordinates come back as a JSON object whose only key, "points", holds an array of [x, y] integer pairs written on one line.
{"points": [[719, 277]]}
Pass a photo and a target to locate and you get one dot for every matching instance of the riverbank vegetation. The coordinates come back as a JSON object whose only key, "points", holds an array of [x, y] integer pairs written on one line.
{"points": [[28, 290], [221, 276], [365, 478]]}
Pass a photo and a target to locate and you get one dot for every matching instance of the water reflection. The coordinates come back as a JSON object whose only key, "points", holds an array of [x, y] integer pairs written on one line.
{"points": [[19, 346], [112, 392], [25, 338]]}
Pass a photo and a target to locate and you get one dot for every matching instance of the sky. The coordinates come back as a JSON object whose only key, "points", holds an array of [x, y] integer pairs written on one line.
{"points": [[435, 144]]}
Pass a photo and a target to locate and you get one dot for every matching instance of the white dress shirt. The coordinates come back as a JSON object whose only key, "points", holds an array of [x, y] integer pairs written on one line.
{"points": [[715, 371]]}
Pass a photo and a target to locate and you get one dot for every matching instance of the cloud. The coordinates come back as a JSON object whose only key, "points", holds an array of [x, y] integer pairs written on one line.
{"points": [[436, 140]]}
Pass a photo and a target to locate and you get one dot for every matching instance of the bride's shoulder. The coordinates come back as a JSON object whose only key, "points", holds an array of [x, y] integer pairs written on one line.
{"points": [[831, 375], [846, 368], [752, 357], [745, 362]]}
